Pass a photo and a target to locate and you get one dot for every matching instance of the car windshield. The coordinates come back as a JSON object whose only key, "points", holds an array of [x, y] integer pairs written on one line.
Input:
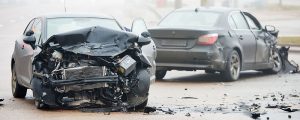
{"points": [[61, 25], [191, 19]]}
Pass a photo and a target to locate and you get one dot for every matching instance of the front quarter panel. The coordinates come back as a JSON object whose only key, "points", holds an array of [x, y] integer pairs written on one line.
{"points": [[150, 52], [23, 62]]}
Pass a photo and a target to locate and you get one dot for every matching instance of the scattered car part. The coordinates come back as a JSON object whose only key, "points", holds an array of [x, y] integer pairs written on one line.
{"points": [[288, 66]]}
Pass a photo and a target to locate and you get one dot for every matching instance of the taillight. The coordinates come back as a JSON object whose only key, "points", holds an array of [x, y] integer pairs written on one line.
{"points": [[208, 39]]}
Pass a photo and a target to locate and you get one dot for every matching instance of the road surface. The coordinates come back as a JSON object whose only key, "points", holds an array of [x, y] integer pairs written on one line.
{"points": [[186, 95]]}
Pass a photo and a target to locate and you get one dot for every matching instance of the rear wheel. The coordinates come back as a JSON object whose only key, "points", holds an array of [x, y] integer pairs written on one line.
{"points": [[18, 90], [233, 66], [160, 74]]}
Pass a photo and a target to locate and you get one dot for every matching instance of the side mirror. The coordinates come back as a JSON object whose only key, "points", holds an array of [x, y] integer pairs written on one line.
{"points": [[145, 34], [139, 28], [270, 28], [144, 40], [29, 33], [29, 40]]}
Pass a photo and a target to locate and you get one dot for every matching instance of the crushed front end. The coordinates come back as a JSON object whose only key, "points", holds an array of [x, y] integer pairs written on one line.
{"points": [[77, 75]]}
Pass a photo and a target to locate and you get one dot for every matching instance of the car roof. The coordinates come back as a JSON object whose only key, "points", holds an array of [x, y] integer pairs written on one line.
{"points": [[212, 9], [66, 15]]}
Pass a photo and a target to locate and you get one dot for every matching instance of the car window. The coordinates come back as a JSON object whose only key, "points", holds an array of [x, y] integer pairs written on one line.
{"points": [[37, 29], [231, 23], [29, 26], [251, 23], [191, 19], [240, 20], [61, 25]]}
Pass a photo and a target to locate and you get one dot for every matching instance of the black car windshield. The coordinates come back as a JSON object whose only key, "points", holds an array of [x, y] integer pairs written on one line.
{"points": [[191, 19], [61, 25]]}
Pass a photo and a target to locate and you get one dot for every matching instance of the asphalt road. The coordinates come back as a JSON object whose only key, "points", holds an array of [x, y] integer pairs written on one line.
{"points": [[186, 95]]}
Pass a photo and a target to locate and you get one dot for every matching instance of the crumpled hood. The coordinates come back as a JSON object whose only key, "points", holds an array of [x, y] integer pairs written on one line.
{"points": [[93, 41]]}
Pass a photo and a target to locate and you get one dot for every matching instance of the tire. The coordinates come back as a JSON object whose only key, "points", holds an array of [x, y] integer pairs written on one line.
{"points": [[210, 71], [142, 105], [277, 64], [40, 105], [160, 74], [18, 90], [233, 67]]}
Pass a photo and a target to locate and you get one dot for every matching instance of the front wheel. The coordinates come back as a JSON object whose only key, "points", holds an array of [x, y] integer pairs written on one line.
{"points": [[233, 67], [40, 105], [142, 105], [18, 90], [160, 74], [277, 63]]}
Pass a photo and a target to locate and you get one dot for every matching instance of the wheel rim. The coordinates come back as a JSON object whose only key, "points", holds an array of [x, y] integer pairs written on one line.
{"points": [[235, 66], [13, 81], [277, 62]]}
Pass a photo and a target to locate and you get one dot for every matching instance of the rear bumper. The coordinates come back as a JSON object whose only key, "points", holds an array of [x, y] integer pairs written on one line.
{"points": [[206, 65], [200, 58]]}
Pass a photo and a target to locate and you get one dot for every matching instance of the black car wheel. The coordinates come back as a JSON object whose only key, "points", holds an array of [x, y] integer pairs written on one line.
{"points": [[160, 74], [277, 64], [18, 90], [141, 106], [233, 67], [40, 105]]}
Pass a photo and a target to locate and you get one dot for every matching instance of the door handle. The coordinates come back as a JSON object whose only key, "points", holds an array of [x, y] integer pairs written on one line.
{"points": [[241, 37]]}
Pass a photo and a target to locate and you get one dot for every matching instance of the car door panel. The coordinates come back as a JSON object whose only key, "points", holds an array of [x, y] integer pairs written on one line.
{"points": [[245, 37], [24, 53], [262, 46]]}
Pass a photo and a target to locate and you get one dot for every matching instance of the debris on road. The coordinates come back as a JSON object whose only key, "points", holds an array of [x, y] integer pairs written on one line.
{"points": [[189, 98], [255, 110], [289, 109], [1, 99], [288, 66], [271, 106], [289, 116], [166, 110], [188, 114], [149, 109], [294, 95]]}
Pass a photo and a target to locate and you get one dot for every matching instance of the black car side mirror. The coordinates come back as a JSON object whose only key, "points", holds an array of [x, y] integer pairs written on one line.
{"points": [[29, 33], [144, 39], [145, 34], [29, 40], [270, 28]]}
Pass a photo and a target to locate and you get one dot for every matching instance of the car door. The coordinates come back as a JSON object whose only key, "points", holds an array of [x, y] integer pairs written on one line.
{"points": [[245, 37], [262, 46], [24, 53]]}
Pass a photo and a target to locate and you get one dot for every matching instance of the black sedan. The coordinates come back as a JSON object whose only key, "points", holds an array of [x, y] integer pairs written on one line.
{"points": [[215, 40]]}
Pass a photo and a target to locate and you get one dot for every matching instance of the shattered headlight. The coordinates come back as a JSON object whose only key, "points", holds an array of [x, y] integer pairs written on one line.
{"points": [[126, 65]]}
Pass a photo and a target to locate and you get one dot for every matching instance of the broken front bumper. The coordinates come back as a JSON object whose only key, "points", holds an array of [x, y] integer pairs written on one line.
{"points": [[64, 86], [78, 91]]}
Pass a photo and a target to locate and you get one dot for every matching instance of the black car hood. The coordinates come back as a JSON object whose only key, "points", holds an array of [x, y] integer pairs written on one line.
{"points": [[93, 41]]}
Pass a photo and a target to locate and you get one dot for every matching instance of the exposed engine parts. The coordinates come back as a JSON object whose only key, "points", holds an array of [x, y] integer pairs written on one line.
{"points": [[66, 76]]}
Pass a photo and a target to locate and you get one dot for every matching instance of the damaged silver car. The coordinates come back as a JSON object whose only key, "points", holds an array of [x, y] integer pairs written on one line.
{"points": [[83, 61]]}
